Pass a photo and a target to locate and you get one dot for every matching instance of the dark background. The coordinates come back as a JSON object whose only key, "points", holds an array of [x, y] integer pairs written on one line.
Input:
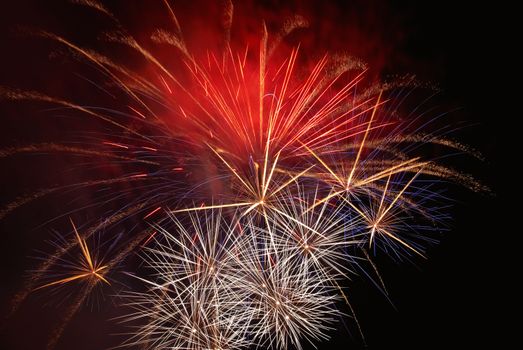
{"points": [[446, 301]]}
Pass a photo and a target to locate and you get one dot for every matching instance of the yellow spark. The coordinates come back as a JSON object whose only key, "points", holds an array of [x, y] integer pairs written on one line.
{"points": [[363, 141], [218, 206], [92, 269]]}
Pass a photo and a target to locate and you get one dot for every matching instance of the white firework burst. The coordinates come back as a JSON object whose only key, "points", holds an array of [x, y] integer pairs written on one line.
{"points": [[232, 281], [190, 304]]}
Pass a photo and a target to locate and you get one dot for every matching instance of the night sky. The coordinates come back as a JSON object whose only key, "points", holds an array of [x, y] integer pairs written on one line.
{"points": [[445, 301]]}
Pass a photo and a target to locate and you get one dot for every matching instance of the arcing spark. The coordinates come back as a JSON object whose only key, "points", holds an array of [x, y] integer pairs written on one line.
{"points": [[282, 173]]}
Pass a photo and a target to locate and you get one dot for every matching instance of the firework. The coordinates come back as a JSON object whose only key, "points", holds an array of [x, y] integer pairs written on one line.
{"points": [[258, 185], [192, 303], [86, 268], [229, 283]]}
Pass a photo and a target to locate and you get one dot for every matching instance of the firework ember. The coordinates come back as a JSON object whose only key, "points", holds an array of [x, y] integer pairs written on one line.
{"points": [[253, 179]]}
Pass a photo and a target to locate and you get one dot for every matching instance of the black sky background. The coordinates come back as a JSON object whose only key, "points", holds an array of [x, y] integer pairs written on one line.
{"points": [[447, 301]]}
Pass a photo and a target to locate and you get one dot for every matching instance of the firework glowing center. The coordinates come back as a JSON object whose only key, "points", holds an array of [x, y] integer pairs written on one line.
{"points": [[264, 183]]}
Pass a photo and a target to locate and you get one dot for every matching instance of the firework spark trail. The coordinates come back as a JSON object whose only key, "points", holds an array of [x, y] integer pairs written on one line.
{"points": [[31, 197], [52, 147], [312, 170], [70, 313]]}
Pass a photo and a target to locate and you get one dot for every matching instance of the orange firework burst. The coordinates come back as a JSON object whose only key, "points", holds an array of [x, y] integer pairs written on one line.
{"points": [[87, 267]]}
